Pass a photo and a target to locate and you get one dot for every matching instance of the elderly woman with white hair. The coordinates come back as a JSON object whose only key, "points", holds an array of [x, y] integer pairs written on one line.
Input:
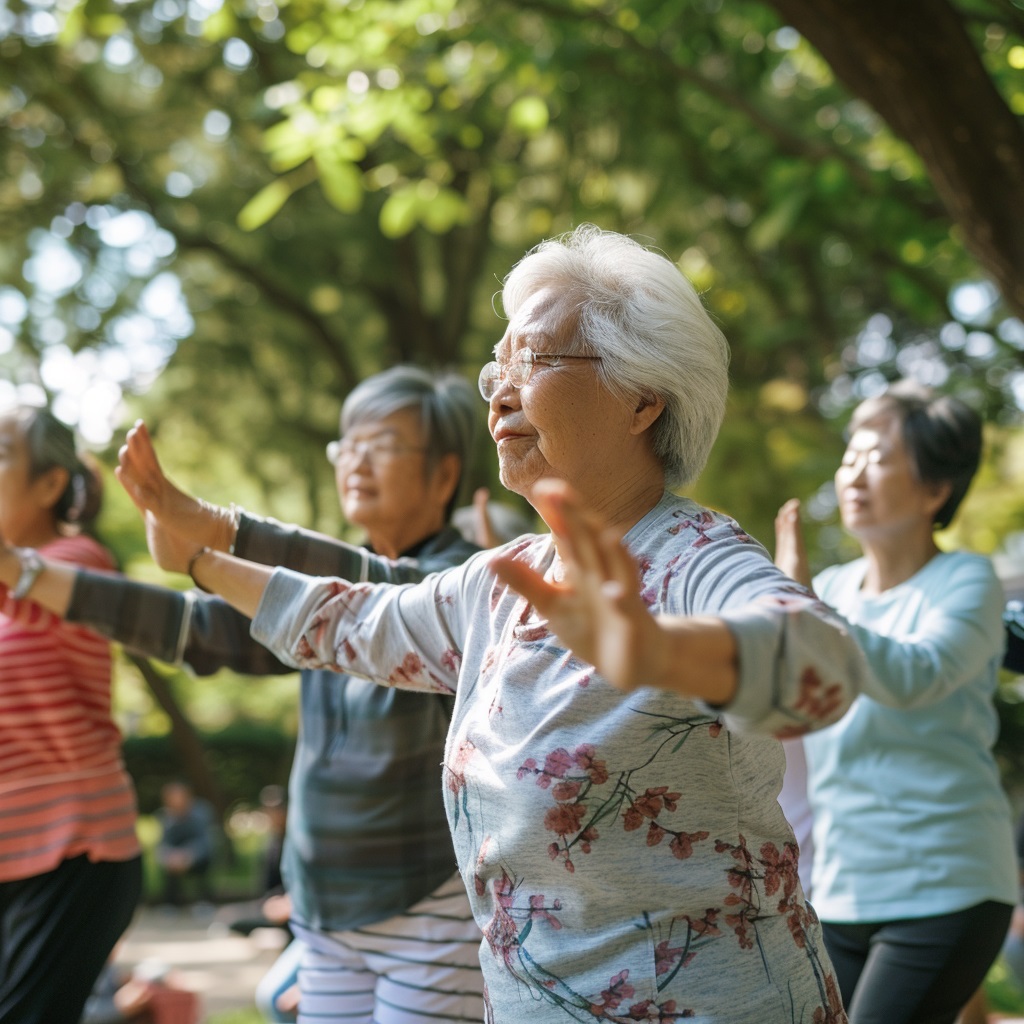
{"points": [[625, 855]]}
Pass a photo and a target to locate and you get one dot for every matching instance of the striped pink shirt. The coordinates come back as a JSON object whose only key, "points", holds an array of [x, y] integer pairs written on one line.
{"points": [[64, 790]]}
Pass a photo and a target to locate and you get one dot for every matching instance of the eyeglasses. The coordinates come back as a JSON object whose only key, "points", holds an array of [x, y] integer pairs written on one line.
{"points": [[376, 449], [518, 369]]}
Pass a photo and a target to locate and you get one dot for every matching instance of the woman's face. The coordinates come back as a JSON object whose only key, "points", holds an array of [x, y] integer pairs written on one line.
{"points": [[877, 485], [383, 483], [563, 422]]}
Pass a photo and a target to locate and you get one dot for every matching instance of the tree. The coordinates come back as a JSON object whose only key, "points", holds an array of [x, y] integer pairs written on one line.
{"points": [[278, 200], [915, 63]]}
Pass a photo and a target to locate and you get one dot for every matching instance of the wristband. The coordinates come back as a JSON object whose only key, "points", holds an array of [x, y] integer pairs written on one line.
{"points": [[192, 564], [31, 566]]}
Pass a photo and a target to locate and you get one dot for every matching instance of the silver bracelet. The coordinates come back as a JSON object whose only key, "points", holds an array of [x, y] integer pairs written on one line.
{"points": [[31, 566]]}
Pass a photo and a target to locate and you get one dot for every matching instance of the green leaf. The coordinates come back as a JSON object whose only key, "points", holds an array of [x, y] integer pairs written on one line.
{"points": [[529, 115], [264, 205], [398, 214], [445, 211], [767, 231], [341, 180]]}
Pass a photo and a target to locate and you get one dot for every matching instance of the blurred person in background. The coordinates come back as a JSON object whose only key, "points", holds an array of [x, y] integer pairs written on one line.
{"points": [[915, 873], [382, 923], [70, 871], [186, 845]]}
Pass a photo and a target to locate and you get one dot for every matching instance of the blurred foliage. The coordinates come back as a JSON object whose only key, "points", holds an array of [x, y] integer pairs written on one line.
{"points": [[244, 756], [221, 214]]}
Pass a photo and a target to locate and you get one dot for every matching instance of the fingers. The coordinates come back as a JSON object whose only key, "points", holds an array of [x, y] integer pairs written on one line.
{"points": [[138, 469], [141, 497], [525, 581]]}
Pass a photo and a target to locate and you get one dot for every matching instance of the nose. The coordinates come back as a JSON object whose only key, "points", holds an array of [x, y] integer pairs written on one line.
{"points": [[506, 396], [853, 472]]}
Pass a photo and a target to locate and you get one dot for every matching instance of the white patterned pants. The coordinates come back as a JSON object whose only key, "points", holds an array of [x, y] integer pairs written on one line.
{"points": [[420, 967]]}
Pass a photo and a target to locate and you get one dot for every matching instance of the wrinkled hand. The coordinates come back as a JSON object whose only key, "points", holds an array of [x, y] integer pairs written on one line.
{"points": [[177, 525], [596, 610], [790, 551]]}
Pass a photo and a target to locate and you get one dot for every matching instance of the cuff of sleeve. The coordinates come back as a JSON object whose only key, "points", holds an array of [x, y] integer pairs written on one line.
{"points": [[283, 610], [756, 634], [244, 528]]}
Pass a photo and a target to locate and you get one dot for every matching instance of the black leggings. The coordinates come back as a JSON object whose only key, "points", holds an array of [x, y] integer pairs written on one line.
{"points": [[918, 971], [56, 932]]}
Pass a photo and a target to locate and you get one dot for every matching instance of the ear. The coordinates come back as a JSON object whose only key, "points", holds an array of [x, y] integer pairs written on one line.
{"points": [[648, 409], [446, 475], [49, 486]]}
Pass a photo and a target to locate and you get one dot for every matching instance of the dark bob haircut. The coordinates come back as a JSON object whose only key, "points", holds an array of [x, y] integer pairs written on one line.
{"points": [[942, 435]]}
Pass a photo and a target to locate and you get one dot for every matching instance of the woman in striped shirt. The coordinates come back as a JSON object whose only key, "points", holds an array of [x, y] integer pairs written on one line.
{"points": [[70, 872]]}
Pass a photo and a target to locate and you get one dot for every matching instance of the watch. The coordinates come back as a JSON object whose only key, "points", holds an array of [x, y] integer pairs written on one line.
{"points": [[31, 566]]}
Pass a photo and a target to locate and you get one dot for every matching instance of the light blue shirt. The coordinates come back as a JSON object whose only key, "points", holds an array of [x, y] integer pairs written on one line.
{"points": [[910, 816]]}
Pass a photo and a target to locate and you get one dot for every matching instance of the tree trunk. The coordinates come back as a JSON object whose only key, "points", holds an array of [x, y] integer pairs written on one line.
{"points": [[913, 61], [184, 736]]}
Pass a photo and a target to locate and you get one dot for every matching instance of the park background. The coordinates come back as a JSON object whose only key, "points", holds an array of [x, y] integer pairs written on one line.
{"points": [[219, 215]]}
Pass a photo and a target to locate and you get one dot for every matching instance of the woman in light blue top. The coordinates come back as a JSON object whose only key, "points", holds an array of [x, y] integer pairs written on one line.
{"points": [[914, 873]]}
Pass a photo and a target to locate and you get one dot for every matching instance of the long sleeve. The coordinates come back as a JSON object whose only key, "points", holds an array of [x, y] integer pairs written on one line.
{"points": [[799, 666], [956, 604], [192, 628], [409, 636], [272, 543]]}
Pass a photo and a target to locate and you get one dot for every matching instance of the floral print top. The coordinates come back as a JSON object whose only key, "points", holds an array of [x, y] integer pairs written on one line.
{"points": [[625, 854]]}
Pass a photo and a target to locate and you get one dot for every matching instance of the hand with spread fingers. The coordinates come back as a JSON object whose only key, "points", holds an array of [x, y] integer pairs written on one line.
{"points": [[177, 525], [596, 609]]}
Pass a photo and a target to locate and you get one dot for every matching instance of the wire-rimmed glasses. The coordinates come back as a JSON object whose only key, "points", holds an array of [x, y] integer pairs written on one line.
{"points": [[518, 369], [377, 449]]}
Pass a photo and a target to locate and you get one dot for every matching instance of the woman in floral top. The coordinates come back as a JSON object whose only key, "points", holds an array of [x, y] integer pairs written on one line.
{"points": [[625, 855]]}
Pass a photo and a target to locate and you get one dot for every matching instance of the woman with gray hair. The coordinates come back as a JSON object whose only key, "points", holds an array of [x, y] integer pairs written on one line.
{"points": [[70, 873], [384, 929], [625, 856]]}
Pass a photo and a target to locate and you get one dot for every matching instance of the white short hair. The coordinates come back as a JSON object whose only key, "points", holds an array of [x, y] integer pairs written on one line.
{"points": [[640, 314]]}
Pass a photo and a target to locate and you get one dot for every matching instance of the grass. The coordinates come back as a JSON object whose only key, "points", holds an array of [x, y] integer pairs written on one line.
{"points": [[237, 1017], [1001, 991]]}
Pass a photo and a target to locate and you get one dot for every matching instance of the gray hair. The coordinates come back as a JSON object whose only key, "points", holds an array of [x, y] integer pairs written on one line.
{"points": [[446, 402], [640, 314]]}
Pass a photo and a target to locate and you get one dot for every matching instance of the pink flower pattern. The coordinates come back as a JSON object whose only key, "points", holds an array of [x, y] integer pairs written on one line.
{"points": [[569, 801]]}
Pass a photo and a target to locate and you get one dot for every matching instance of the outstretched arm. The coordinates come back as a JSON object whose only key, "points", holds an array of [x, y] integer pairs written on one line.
{"points": [[598, 612], [239, 582], [52, 587]]}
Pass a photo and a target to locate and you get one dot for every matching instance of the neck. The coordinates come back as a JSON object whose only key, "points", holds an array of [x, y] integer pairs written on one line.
{"points": [[894, 561], [622, 505], [35, 537]]}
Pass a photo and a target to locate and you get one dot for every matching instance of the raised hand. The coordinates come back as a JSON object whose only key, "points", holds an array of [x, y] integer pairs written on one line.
{"points": [[483, 528], [596, 610], [177, 525], [790, 551]]}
